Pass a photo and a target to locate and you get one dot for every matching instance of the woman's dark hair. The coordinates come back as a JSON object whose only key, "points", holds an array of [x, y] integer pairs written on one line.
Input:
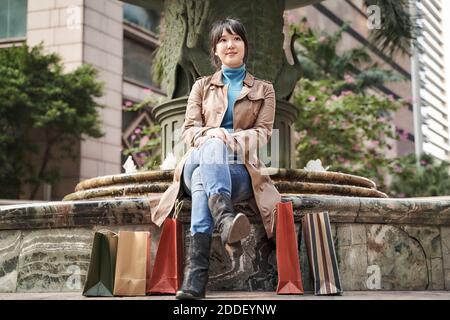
{"points": [[233, 26]]}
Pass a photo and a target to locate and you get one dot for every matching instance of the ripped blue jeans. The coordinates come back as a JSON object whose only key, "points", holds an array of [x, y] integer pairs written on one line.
{"points": [[207, 171]]}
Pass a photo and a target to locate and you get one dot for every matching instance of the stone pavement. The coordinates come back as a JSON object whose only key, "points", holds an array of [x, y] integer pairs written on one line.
{"points": [[240, 295]]}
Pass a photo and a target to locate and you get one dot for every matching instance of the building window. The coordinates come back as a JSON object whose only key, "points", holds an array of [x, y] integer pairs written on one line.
{"points": [[144, 18], [13, 19], [137, 62]]}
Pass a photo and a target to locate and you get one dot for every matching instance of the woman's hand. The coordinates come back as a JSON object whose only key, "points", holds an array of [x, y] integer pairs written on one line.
{"points": [[200, 140], [220, 133]]}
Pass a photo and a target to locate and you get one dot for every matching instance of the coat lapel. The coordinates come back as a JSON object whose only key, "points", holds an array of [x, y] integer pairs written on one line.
{"points": [[248, 84]]}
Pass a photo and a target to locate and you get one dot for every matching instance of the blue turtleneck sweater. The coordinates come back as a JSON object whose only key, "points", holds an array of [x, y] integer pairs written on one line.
{"points": [[233, 77]]}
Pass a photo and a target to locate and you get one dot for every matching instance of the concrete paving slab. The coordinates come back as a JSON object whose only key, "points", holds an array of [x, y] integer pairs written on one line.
{"points": [[239, 295]]}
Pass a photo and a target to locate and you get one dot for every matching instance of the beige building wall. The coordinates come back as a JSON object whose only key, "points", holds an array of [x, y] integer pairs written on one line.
{"points": [[103, 48], [58, 24], [85, 31]]}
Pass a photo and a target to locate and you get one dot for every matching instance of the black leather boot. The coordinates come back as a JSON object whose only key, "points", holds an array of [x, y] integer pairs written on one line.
{"points": [[232, 227], [196, 274]]}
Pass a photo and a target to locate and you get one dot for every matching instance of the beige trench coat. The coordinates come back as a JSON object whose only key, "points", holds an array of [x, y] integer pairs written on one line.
{"points": [[253, 117]]}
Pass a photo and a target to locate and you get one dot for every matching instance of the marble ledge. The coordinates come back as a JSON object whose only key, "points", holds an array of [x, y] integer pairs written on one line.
{"points": [[423, 211]]}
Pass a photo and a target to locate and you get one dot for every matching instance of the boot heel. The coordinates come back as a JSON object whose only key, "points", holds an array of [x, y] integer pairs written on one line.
{"points": [[182, 295], [239, 229]]}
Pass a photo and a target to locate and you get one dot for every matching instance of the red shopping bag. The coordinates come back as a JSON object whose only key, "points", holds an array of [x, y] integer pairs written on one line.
{"points": [[289, 274], [167, 272]]}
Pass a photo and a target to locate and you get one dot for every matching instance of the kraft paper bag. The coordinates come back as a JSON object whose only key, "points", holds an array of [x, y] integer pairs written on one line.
{"points": [[100, 277], [133, 263], [288, 263]]}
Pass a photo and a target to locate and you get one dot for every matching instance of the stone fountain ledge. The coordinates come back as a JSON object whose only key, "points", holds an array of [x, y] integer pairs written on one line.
{"points": [[292, 181], [276, 174], [69, 214], [381, 244]]}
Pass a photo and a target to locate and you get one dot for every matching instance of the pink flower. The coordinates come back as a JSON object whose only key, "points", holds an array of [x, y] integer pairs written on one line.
{"points": [[143, 141], [291, 18], [349, 79], [373, 144], [346, 92], [312, 98], [404, 135], [323, 39], [133, 137], [128, 103], [137, 130], [334, 97], [423, 162], [398, 169], [314, 142]]}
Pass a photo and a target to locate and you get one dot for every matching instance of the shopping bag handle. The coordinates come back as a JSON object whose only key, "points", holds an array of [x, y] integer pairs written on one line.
{"points": [[178, 206]]}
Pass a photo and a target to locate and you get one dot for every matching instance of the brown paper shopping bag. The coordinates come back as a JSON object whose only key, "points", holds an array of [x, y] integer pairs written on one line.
{"points": [[132, 265]]}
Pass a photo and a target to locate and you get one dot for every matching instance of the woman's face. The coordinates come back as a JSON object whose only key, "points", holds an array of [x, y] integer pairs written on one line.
{"points": [[230, 49]]}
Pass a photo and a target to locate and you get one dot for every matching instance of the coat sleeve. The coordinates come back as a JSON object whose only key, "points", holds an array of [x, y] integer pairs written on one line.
{"points": [[194, 126], [250, 140]]}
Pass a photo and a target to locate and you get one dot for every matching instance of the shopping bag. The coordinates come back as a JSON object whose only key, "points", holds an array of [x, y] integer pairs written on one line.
{"points": [[100, 276], [289, 274], [133, 263], [167, 273], [321, 254]]}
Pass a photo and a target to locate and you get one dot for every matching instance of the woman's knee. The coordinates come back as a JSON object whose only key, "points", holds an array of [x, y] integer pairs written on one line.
{"points": [[214, 150], [213, 143]]}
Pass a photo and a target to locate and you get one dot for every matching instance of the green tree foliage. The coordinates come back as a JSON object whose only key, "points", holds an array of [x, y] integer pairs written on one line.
{"points": [[343, 122], [346, 130], [429, 178], [41, 108]]}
